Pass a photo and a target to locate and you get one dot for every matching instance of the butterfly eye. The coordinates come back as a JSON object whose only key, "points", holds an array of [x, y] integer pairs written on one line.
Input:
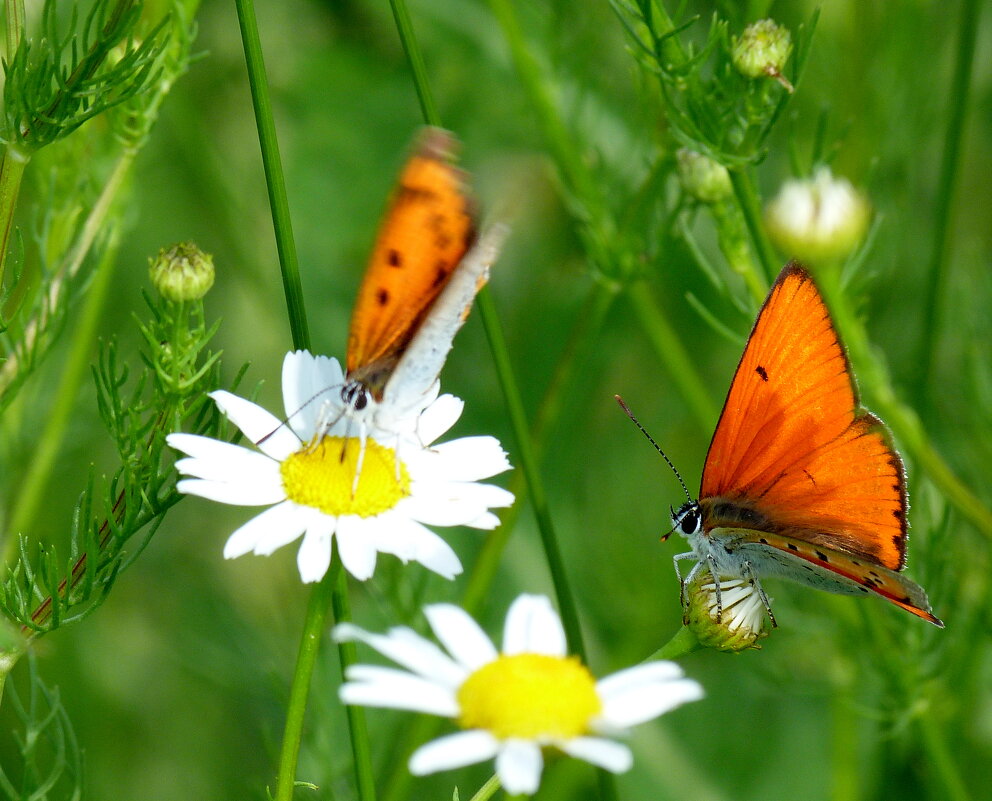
{"points": [[355, 396], [688, 519]]}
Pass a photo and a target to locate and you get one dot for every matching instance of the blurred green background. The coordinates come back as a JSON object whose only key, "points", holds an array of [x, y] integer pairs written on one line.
{"points": [[177, 686]]}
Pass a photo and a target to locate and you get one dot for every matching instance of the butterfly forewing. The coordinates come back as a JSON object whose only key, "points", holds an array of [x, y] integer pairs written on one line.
{"points": [[428, 227], [792, 447]]}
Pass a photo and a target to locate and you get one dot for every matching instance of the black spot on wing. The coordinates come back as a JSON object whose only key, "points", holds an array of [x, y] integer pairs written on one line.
{"points": [[762, 372], [382, 296], [822, 556], [793, 546], [440, 272], [393, 258]]}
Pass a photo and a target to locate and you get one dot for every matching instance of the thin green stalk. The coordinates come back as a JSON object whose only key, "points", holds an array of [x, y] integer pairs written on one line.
{"points": [[32, 490], [488, 790], [903, 421], [683, 642], [668, 346], [747, 198], [313, 631], [846, 784], [274, 179], [952, 785], [949, 169], [12, 166], [15, 26], [334, 583], [404, 26]]}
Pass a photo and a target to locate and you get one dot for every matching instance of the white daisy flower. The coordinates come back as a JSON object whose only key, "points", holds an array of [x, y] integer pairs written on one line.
{"points": [[305, 474], [513, 703]]}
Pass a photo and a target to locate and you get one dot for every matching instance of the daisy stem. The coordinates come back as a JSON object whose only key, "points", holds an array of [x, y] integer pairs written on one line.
{"points": [[903, 421], [334, 585], [488, 790], [747, 198], [683, 642], [275, 180]]}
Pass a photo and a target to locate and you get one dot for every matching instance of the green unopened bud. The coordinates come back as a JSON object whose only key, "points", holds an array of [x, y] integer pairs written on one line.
{"points": [[818, 220], [740, 610], [182, 272], [762, 50], [702, 177]]}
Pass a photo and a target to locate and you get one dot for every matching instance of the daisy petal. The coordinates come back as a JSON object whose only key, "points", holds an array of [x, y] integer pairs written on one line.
{"points": [[409, 540], [453, 751], [437, 418], [234, 494], [603, 753], [460, 635], [633, 678], [627, 703], [407, 648], [533, 627], [265, 532], [267, 431], [310, 385], [356, 546], [518, 765], [369, 685], [467, 459], [314, 556]]}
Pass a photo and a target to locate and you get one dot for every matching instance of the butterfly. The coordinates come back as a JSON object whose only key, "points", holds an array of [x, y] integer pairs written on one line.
{"points": [[800, 482], [427, 265]]}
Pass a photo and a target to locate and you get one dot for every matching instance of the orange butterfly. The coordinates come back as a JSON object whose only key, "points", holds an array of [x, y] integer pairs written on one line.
{"points": [[799, 482], [427, 265]]}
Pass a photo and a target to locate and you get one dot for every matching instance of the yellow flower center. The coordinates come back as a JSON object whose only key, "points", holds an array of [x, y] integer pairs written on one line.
{"points": [[530, 696], [322, 475]]}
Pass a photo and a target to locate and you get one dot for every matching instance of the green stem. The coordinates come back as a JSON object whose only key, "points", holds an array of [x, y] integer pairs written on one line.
{"points": [[903, 421], [953, 787], [683, 642], [488, 790], [334, 583], [49, 442], [15, 26], [671, 352], [313, 630], [949, 169], [274, 179], [750, 205], [12, 166], [404, 26]]}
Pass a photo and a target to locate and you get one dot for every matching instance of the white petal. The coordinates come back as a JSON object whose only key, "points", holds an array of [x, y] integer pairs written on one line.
{"points": [[453, 751], [311, 387], [467, 459], [639, 701], [234, 494], [407, 648], [452, 503], [603, 753], [518, 765], [371, 685], [266, 532], [460, 635], [356, 545], [633, 678], [409, 540], [230, 464], [269, 434], [314, 556], [533, 627], [485, 522], [437, 418]]}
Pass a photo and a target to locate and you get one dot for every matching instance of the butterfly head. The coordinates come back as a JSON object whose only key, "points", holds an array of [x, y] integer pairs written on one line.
{"points": [[687, 520], [355, 395]]}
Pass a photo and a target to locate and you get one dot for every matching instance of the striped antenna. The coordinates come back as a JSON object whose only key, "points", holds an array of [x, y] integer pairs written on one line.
{"points": [[657, 447]]}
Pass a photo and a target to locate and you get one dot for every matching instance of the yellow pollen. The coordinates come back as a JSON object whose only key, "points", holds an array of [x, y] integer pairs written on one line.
{"points": [[530, 696], [322, 475]]}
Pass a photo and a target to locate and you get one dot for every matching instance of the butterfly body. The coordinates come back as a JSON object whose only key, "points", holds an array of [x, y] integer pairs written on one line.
{"points": [[800, 482]]}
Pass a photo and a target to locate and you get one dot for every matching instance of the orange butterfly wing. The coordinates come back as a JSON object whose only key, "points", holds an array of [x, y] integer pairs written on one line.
{"points": [[428, 227], [792, 446]]}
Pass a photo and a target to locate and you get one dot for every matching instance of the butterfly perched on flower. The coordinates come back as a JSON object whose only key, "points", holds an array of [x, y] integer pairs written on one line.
{"points": [[427, 265], [800, 482]]}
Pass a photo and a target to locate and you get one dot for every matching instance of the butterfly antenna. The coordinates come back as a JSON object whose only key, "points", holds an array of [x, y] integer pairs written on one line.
{"points": [[657, 447], [285, 422]]}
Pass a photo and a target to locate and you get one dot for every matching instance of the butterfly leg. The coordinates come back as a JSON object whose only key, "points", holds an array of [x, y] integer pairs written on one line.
{"points": [[362, 438], [711, 565], [692, 573], [752, 576]]}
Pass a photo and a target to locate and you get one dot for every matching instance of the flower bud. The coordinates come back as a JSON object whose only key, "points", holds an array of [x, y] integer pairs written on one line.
{"points": [[740, 609], [819, 219], [762, 50], [702, 177], [182, 272]]}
